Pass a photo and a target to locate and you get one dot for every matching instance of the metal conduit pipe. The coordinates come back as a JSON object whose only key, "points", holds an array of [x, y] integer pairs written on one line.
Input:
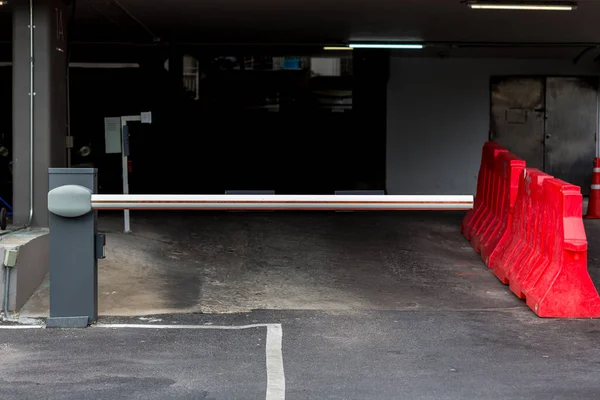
{"points": [[68, 78], [31, 110], [6, 290]]}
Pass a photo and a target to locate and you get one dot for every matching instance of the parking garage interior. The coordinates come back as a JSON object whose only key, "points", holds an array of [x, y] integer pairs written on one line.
{"points": [[245, 99], [291, 97]]}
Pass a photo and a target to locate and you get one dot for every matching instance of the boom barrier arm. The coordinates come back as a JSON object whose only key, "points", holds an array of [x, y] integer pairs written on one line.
{"points": [[75, 246]]}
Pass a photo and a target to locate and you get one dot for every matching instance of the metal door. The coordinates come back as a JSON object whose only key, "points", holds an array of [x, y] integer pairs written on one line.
{"points": [[571, 112], [550, 122], [517, 117]]}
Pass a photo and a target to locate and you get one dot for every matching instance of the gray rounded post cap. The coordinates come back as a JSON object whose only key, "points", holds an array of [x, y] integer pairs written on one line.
{"points": [[70, 201]]}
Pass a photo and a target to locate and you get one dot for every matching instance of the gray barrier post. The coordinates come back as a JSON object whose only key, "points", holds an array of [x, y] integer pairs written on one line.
{"points": [[74, 248]]}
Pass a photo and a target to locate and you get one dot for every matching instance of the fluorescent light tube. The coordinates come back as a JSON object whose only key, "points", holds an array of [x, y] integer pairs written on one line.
{"points": [[385, 46], [335, 48], [522, 6]]}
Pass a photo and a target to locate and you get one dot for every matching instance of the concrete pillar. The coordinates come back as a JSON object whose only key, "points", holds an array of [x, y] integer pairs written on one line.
{"points": [[369, 105], [50, 116]]}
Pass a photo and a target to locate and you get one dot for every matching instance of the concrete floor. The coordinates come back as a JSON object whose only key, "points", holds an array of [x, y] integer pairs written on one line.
{"points": [[371, 306], [238, 262]]}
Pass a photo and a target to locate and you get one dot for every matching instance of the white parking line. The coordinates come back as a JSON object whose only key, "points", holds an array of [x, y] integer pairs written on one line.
{"points": [[151, 326], [274, 352], [275, 373], [17, 327]]}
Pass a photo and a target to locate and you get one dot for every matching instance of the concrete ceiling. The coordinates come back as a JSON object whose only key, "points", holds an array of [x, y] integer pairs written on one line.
{"points": [[330, 21], [457, 30]]}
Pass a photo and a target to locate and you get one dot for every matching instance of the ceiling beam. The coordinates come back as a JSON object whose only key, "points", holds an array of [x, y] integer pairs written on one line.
{"points": [[129, 27]]}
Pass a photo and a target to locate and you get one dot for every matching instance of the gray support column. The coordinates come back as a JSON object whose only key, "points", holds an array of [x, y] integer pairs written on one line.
{"points": [[50, 22], [73, 257]]}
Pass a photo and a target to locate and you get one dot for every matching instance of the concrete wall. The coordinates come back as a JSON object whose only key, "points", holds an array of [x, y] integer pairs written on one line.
{"points": [[32, 265], [438, 114]]}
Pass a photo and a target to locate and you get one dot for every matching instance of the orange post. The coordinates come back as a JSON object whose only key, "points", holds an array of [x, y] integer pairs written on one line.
{"points": [[594, 204]]}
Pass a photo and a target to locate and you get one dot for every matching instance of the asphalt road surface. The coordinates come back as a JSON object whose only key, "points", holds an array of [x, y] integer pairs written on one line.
{"points": [[492, 354]]}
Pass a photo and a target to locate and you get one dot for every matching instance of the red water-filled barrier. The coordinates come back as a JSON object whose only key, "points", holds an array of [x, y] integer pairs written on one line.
{"points": [[532, 237], [484, 198], [508, 170], [510, 253]]}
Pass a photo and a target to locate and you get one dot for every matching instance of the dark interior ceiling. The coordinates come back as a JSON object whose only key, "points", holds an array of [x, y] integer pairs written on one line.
{"points": [[333, 21], [448, 25]]}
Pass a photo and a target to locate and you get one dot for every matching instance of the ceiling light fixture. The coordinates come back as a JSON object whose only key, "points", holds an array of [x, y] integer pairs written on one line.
{"points": [[337, 48], [385, 46], [535, 6]]}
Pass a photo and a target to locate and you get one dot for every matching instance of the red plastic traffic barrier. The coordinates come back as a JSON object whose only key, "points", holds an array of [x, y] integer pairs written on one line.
{"points": [[508, 254], [545, 258], [564, 288], [507, 173], [537, 222], [484, 197], [593, 211], [492, 203]]}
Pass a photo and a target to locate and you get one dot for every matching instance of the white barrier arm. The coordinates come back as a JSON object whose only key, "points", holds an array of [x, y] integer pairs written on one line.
{"points": [[279, 202]]}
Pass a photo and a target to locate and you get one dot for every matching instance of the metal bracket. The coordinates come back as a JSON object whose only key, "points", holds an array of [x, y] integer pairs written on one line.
{"points": [[125, 140], [100, 243]]}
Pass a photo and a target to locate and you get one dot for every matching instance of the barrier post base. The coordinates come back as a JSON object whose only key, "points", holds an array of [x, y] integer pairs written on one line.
{"points": [[73, 261]]}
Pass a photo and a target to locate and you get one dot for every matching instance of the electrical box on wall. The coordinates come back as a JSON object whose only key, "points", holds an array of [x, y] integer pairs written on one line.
{"points": [[146, 117], [112, 135], [10, 257]]}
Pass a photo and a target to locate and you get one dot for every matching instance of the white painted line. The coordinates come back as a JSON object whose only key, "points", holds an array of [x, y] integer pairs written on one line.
{"points": [[89, 65], [148, 326], [18, 327], [275, 373], [273, 348], [103, 65]]}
